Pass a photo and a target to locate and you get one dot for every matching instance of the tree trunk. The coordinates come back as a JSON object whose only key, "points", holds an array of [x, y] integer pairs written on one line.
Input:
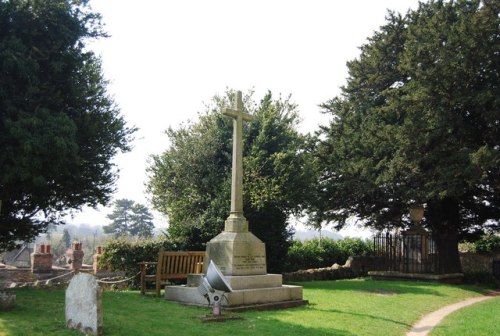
{"points": [[444, 220], [448, 257]]}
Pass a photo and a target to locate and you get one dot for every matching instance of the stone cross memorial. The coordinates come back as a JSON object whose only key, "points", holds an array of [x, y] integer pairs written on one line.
{"points": [[240, 256], [84, 304], [236, 220], [236, 251]]}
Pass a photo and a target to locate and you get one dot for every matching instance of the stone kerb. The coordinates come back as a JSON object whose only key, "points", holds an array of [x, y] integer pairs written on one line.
{"points": [[84, 304]]}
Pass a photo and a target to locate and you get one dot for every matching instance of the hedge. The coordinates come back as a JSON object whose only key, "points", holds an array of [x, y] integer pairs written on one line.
{"points": [[122, 255], [486, 244]]}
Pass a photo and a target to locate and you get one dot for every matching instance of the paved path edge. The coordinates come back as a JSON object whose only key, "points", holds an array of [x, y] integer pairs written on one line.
{"points": [[431, 320]]}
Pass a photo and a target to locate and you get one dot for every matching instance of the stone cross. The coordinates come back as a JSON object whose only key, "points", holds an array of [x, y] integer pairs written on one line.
{"points": [[238, 115]]}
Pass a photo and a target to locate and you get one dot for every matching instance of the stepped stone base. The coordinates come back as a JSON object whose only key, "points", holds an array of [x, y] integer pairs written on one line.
{"points": [[254, 291]]}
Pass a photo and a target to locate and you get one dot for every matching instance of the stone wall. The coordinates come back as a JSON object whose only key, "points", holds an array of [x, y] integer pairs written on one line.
{"points": [[23, 275], [353, 268], [477, 262]]}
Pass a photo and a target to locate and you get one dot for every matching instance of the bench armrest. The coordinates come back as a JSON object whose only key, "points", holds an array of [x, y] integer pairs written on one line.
{"points": [[143, 265]]}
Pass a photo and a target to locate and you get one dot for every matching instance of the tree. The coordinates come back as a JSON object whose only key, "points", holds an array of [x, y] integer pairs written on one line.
{"points": [[66, 239], [418, 123], [63, 244], [59, 129], [191, 181], [130, 218], [142, 221]]}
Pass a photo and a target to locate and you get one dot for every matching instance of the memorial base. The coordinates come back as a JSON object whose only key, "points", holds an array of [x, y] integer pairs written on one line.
{"points": [[249, 292], [237, 253]]}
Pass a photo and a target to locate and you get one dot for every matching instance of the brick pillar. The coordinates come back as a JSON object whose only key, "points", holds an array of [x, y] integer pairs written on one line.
{"points": [[41, 259], [76, 257], [96, 257]]}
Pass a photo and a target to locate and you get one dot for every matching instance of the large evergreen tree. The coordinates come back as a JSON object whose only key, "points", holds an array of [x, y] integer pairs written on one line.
{"points": [[59, 129], [418, 123], [130, 218], [191, 181]]}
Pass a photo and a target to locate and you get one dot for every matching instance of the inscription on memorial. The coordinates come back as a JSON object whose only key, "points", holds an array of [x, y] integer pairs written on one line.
{"points": [[249, 262]]}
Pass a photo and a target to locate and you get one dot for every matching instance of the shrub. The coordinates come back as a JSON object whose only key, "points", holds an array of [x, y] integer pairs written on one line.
{"points": [[488, 243], [318, 253], [485, 244], [122, 255]]}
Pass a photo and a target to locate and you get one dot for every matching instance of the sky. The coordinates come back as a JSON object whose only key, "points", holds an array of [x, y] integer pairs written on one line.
{"points": [[166, 59]]}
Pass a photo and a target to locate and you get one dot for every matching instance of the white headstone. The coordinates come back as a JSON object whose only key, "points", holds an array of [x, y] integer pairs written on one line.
{"points": [[84, 304]]}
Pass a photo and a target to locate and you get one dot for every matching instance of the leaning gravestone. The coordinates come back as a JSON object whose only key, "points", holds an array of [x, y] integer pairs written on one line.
{"points": [[84, 304]]}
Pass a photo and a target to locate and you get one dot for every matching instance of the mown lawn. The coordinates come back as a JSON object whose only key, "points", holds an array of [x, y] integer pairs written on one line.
{"points": [[481, 319], [346, 307]]}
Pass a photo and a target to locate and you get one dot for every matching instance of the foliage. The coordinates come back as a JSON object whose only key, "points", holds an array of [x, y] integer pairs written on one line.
{"points": [[123, 255], [59, 129], [488, 243], [417, 123], [485, 244], [63, 244], [343, 307], [130, 218], [317, 253], [191, 181], [66, 239]]}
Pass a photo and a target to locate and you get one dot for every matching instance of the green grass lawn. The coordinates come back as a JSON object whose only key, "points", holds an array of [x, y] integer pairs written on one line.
{"points": [[345, 307], [481, 319]]}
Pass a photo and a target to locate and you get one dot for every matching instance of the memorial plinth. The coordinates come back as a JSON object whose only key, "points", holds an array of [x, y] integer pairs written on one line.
{"points": [[238, 253]]}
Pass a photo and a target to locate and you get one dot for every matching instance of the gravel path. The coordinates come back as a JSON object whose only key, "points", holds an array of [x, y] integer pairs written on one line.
{"points": [[429, 321]]}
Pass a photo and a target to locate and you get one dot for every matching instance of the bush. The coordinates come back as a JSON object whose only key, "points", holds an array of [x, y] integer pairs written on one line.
{"points": [[486, 244], [122, 255], [318, 253]]}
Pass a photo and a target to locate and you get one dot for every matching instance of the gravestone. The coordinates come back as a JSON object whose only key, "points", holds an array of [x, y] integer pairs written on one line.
{"points": [[84, 304]]}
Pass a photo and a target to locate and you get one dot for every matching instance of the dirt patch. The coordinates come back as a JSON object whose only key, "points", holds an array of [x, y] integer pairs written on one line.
{"points": [[377, 292]]}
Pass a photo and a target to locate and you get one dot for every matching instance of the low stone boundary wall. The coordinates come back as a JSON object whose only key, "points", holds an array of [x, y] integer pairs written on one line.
{"points": [[477, 262], [21, 277], [24, 275], [360, 266], [353, 268]]}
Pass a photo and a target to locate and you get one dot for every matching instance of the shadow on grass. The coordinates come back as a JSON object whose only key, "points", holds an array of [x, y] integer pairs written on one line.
{"points": [[396, 286], [39, 312], [374, 317]]}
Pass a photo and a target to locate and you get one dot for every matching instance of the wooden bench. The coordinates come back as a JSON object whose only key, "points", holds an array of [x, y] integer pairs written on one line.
{"points": [[171, 265]]}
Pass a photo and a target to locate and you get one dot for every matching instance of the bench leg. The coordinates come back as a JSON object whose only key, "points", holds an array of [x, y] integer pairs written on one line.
{"points": [[143, 279]]}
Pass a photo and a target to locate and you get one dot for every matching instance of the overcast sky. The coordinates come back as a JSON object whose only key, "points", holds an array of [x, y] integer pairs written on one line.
{"points": [[164, 59]]}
